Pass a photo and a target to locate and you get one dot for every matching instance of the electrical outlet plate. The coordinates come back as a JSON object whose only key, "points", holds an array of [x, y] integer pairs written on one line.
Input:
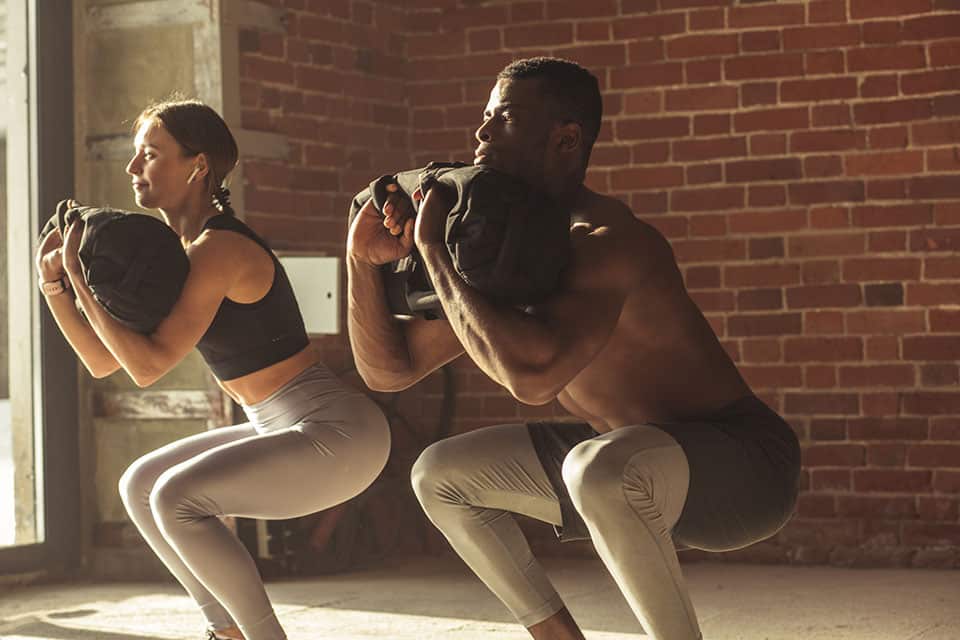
{"points": [[316, 283]]}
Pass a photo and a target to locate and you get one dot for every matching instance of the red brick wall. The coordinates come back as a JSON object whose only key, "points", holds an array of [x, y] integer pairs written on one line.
{"points": [[800, 156]]}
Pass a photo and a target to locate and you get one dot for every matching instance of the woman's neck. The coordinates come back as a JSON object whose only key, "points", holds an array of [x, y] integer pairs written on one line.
{"points": [[188, 221]]}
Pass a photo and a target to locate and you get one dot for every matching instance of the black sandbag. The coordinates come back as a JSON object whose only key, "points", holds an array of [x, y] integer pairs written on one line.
{"points": [[134, 264]]}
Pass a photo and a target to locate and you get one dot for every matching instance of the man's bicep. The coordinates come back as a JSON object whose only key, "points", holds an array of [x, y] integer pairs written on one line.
{"points": [[431, 344]]}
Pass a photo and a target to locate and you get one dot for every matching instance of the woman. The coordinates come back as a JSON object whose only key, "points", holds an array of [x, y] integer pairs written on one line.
{"points": [[310, 442]]}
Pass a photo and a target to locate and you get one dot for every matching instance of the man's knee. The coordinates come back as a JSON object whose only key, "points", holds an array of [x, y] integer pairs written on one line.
{"points": [[592, 474], [431, 472]]}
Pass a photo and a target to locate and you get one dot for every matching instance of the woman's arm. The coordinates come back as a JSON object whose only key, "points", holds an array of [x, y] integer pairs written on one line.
{"points": [[146, 358], [79, 335]]}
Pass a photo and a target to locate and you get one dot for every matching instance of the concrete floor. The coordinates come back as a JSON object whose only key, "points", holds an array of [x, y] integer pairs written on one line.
{"points": [[437, 598]]}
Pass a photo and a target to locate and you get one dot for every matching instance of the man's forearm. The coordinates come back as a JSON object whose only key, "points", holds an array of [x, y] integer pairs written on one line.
{"points": [[509, 346], [378, 342]]}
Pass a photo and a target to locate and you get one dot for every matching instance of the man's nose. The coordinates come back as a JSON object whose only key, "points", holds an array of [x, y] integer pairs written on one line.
{"points": [[483, 133]]}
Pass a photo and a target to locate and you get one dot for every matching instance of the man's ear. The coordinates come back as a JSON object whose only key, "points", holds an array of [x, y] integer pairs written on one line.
{"points": [[568, 137]]}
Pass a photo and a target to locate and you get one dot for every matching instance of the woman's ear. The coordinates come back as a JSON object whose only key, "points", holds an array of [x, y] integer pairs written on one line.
{"points": [[200, 168]]}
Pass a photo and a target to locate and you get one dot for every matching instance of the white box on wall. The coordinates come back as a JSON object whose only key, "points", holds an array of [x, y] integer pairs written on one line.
{"points": [[316, 283]]}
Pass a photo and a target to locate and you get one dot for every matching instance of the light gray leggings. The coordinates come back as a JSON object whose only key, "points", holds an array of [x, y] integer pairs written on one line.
{"points": [[629, 486], [311, 445]]}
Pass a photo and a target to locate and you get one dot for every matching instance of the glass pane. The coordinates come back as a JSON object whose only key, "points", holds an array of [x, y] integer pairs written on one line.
{"points": [[18, 477]]}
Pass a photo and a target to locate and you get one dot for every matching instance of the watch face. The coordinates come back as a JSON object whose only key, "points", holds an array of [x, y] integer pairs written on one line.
{"points": [[53, 288]]}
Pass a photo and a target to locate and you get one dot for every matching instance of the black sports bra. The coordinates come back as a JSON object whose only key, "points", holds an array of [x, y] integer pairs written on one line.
{"points": [[244, 338]]}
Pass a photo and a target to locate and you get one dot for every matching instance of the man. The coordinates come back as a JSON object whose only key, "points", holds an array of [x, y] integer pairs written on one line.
{"points": [[686, 454]]}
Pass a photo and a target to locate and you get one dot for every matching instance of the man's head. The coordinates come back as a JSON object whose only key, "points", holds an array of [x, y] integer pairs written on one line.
{"points": [[541, 121]]}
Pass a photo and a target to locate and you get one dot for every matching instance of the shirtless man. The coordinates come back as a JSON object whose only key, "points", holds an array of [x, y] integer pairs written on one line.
{"points": [[678, 451]]}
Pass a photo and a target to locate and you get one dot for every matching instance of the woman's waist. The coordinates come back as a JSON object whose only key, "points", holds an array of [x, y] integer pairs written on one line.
{"points": [[253, 388]]}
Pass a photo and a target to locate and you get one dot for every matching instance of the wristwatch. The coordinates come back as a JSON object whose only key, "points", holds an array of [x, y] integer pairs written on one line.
{"points": [[54, 287]]}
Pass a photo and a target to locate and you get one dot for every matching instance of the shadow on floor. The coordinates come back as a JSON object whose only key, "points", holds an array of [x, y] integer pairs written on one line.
{"points": [[49, 631]]}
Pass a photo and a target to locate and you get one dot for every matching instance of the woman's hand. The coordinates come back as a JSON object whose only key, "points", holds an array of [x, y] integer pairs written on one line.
{"points": [[49, 258], [71, 249]]}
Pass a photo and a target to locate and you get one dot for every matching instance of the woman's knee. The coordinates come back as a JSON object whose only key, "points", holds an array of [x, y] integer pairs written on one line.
{"points": [[171, 500], [137, 482]]}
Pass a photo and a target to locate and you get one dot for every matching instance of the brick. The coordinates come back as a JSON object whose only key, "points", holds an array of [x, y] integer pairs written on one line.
{"points": [[943, 160], [835, 140], [880, 86], [886, 241], [936, 133], [650, 128], [774, 324], [939, 375], [832, 115], [935, 240], [708, 225], [703, 277], [883, 348], [765, 248], [702, 46], [812, 192], [709, 301], [772, 377], [767, 196], [866, 9], [885, 322], [945, 54], [821, 37], [711, 124], [824, 11], [820, 296], [818, 90], [683, 4], [785, 119], [770, 65], [761, 350], [703, 71], [754, 41], [824, 62], [768, 144], [931, 348], [697, 150], [761, 275], [709, 250], [707, 19], [762, 170], [947, 481], [934, 187], [885, 163], [825, 404], [927, 28], [945, 320], [825, 245], [873, 269], [829, 218], [820, 377], [816, 506], [572, 9], [883, 295], [651, 203], [768, 221], [661, 24], [890, 507], [886, 455], [824, 479], [892, 111], [882, 58], [759, 299], [930, 403], [822, 322], [882, 32], [893, 216], [643, 178], [946, 214], [892, 480], [759, 93], [822, 349], [937, 509], [702, 99], [934, 455], [930, 535], [740, 17], [821, 271], [596, 56], [892, 189], [886, 428], [877, 376], [643, 102], [704, 173], [930, 81], [933, 294], [711, 199]]}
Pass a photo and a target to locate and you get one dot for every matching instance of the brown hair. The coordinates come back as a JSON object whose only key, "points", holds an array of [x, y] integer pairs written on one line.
{"points": [[198, 129]]}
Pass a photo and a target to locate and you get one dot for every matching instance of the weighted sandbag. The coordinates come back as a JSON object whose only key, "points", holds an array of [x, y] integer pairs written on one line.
{"points": [[134, 264], [506, 239]]}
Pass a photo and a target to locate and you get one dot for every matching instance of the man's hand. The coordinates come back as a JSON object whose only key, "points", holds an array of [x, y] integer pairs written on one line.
{"points": [[432, 220], [377, 239]]}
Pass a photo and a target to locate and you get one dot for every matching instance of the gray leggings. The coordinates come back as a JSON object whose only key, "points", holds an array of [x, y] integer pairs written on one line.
{"points": [[309, 446], [629, 486]]}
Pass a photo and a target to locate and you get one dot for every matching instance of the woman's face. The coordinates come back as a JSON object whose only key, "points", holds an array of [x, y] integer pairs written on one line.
{"points": [[160, 169]]}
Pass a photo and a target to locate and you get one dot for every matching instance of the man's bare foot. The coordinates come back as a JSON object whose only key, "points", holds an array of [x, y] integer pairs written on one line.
{"points": [[559, 626]]}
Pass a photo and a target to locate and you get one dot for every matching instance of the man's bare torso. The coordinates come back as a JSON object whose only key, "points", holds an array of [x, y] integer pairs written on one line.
{"points": [[662, 362]]}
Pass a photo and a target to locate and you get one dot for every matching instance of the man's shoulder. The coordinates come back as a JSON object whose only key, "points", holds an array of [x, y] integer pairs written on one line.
{"points": [[607, 225]]}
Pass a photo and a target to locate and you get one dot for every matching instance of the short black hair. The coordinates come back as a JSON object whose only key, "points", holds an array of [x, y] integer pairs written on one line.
{"points": [[572, 90]]}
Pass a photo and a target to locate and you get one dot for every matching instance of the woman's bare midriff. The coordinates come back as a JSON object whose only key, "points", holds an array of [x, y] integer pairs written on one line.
{"points": [[260, 385]]}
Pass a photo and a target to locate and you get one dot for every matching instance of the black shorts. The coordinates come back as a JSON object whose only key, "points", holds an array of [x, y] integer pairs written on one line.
{"points": [[744, 464]]}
